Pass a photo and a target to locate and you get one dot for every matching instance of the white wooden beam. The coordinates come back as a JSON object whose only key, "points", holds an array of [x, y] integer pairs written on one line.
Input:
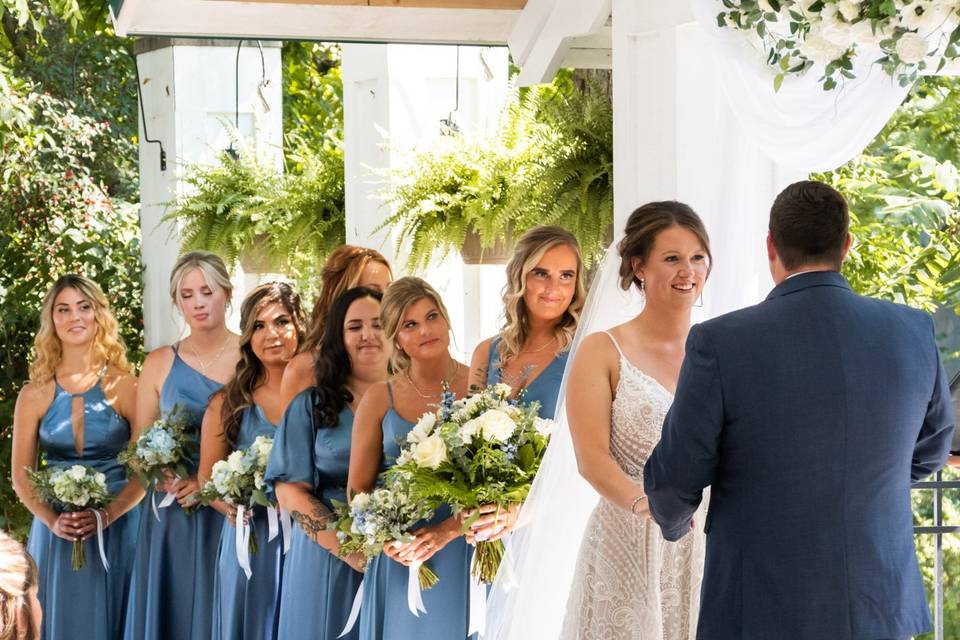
{"points": [[292, 21], [547, 49]]}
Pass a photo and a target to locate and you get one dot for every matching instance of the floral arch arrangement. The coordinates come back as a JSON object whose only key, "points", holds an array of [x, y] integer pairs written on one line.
{"points": [[907, 36]]}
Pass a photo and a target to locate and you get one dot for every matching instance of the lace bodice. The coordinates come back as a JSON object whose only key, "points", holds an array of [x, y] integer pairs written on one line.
{"points": [[639, 408]]}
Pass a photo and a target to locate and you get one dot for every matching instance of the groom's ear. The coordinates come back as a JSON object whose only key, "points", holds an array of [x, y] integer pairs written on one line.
{"points": [[846, 247], [771, 249]]}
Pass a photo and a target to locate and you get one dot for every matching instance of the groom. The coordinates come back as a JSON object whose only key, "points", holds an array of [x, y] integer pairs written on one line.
{"points": [[809, 415]]}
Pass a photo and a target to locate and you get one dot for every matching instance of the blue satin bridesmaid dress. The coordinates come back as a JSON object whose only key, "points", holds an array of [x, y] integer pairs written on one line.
{"points": [[385, 614], [545, 388], [176, 558], [248, 609], [318, 587], [89, 603]]}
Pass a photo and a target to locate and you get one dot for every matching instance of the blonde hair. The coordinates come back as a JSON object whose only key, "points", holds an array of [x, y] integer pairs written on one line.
{"points": [[210, 264], [530, 249], [398, 298], [18, 576], [107, 345], [342, 271]]}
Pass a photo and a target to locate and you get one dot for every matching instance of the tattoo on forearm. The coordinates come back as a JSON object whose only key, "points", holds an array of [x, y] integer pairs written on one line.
{"points": [[316, 521]]}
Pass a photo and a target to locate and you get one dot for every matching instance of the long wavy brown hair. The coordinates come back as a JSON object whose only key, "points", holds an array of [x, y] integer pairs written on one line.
{"points": [[107, 345], [342, 271], [18, 575], [238, 392], [516, 326]]}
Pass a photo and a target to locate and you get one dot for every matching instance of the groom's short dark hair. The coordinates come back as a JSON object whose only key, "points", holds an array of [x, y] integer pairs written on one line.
{"points": [[809, 222]]}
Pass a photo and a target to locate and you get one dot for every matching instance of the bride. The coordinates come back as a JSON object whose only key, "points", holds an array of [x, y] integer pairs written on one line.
{"points": [[627, 582]]}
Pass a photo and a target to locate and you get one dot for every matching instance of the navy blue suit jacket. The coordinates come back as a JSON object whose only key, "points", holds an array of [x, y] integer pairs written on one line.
{"points": [[808, 415]]}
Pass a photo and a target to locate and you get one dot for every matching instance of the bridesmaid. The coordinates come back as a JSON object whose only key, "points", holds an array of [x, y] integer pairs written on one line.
{"points": [[271, 328], [416, 323], [76, 409], [20, 615], [541, 303], [173, 575], [346, 267], [308, 468]]}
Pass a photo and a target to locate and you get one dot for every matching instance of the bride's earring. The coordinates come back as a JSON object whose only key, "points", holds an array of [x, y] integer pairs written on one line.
{"points": [[699, 302]]}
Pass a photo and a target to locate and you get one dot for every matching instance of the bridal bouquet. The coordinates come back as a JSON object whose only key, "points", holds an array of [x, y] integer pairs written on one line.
{"points": [[75, 488], [481, 450], [371, 520], [238, 481]]}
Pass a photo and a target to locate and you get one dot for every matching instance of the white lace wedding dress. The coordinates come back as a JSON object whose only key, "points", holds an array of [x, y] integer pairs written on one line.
{"points": [[631, 584]]}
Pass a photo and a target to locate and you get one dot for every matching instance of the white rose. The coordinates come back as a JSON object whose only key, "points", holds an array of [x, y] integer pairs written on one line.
{"points": [[849, 10], [469, 430], [423, 428], [820, 50], [911, 48], [431, 452], [404, 457], [360, 501], [544, 426], [497, 425]]}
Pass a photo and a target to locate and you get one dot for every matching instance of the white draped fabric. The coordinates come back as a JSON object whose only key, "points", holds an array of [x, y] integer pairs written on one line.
{"points": [[737, 144]]}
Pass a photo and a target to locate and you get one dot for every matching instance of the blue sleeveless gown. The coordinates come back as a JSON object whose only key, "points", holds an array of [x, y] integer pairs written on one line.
{"points": [[384, 614], [176, 557], [545, 388], [90, 602], [318, 587], [247, 609]]}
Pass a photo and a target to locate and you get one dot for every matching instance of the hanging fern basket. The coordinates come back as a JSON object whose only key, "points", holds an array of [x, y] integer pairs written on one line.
{"points": [[257, 257], [473, 251]]}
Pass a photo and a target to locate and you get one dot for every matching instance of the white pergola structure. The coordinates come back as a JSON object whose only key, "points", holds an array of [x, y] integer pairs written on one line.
{"points": [[673, 131]]}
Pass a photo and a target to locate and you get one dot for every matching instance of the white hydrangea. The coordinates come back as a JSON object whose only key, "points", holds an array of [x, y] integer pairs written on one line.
{"points": [[422, 429], [544, 426], [469, 429], [819, 49]]}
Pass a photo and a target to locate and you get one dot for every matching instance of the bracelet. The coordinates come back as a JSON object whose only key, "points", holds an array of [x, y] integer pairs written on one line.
{"points": [[636, 501]]}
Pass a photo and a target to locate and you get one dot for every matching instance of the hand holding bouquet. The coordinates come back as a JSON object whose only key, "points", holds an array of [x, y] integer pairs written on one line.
{"points": [[384, 516], [479, 451], [164, 447], [238, 481], [75, 488]]}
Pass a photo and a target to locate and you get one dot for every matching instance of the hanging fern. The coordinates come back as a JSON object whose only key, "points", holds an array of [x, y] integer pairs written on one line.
{"points": [[243, 206], [550, 161]]}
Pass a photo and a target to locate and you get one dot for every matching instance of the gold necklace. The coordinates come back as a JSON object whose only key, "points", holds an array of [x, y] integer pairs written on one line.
{"points": [[444, 384], [539, 349], [206, 365]]}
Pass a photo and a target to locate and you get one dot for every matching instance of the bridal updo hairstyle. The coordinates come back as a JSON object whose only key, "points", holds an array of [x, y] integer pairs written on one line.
{"points": [[214, 272], [238, 392], [107, 345], [342, 271], [809, 222], [401, 294], [530, 248], [643, 226], [333, 368], [18, 577]]}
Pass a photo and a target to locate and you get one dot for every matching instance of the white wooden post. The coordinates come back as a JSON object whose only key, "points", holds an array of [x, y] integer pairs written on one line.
{"points": [[188, 89], [394, 99]]}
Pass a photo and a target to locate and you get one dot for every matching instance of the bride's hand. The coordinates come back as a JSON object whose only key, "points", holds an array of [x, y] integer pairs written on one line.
{"points": [[492, 524]]}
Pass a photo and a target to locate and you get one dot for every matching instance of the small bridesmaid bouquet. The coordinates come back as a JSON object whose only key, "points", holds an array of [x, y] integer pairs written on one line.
{"points": [[238, 481], [371, 520], [70, 489], [165, 446], [481, 450]]}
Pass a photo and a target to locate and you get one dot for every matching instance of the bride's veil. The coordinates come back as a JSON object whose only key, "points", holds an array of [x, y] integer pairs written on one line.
{"points": [[529, 597]]}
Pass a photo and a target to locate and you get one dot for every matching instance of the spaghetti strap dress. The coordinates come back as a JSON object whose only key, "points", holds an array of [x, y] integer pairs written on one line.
{"points": [[545, 388]]}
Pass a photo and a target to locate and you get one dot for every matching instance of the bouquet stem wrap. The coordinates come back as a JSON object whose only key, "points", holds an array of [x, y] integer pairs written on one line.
{"points": [[478, 596], [354, 611], [246, 541]]}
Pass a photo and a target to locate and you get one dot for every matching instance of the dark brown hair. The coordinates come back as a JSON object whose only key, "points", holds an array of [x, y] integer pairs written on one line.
{"points": [[341, 272], [643, 226], [238, 392], [809, 222]]}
